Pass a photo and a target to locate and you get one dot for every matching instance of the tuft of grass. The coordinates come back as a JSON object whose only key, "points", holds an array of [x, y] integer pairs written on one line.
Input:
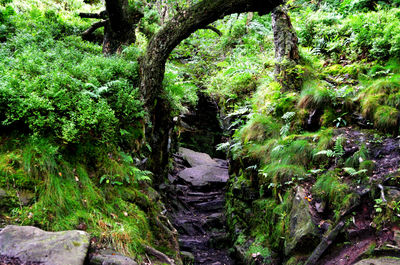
{"points": [[315, 95], [379, 103], [260, 128], [297, 152], [386, 118], [336, 194], [278, 173]]}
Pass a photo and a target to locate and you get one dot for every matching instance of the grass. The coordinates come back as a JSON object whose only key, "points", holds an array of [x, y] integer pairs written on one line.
{"points": [[120, 213], [386, 118], [336, 194], [259, 128], [315, 95], [380, 101]]}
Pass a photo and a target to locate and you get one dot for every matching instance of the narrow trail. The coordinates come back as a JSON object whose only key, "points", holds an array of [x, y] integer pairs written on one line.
{"points": [[196, 206]]}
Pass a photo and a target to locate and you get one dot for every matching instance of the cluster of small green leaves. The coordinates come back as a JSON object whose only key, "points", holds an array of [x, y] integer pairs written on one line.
{"points": [[373, 34]]}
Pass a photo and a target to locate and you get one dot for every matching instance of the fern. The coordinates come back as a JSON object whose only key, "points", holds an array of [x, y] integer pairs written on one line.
{"points": [[352, 172], [339, 146]]}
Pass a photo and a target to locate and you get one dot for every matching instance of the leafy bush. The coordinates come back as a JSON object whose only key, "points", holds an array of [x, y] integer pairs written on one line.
{"points": [[56, 85]]}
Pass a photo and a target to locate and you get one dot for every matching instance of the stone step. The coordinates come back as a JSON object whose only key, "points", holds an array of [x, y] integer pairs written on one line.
{"points": [[193, 243], [210, 206]]}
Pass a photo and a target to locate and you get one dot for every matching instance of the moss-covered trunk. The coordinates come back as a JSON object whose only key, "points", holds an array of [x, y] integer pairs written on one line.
{"points": [[158, 50], [286, 50]]}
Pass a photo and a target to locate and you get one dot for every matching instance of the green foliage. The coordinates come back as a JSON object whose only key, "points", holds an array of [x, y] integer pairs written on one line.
{"points": [[357, 158], [373, 34], [68, 194], [6, 23], [386, 118], [315, 95], [336, 194], [58, 86], [259, 128]]}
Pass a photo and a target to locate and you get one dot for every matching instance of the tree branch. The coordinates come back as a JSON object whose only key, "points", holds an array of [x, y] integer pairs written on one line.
{"points": [[101, 15], [87, 34], [213, 29], [159, 255]]}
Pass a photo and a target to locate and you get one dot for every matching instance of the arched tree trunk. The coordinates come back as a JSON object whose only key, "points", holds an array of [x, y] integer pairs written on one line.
{"points": [[286, 50], [153, 65]]}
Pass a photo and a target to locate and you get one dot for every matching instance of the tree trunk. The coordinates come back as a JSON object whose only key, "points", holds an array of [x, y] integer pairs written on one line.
{"points": [[286, 51], [120, 28], [153, 66]]}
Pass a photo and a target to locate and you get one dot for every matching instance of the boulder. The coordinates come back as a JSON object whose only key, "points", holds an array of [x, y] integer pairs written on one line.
{"points": [[204, 175], [110, 257], [187, 257], [379, 261], [196, 158], [31, 244], [303, 233]]}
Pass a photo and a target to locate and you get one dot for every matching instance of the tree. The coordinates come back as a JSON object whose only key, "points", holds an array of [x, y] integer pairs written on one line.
{"points": [[286, 50], [119, 21], [153, 65]]}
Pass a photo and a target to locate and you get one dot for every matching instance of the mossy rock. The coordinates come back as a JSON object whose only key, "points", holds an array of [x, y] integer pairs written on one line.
{"points": [[30, 244], [303, 233], [379, 261]]}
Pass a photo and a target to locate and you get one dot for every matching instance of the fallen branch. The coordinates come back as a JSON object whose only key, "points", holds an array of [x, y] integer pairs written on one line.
{"points": [[159, 255], [324, 244]]}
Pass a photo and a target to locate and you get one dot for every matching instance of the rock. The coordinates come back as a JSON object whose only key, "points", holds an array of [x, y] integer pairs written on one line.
{"points": [[303, 232], [379, 261], [196, 158], [187, 257], [26, 197], [110, 257], [396, 237], [320, 206], [392, 195], [204, 175], [31, 244]]}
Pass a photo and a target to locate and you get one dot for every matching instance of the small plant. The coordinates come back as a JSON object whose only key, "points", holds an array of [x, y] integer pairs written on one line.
{"points": [[287, 117], [337, 152], [378, 205], [396, 207], [352, 172], [340, 121]]}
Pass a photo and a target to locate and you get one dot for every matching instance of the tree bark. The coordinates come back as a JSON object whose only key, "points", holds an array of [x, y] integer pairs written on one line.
{"points": [[286, 50], [120, 29], [153, 66]]}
